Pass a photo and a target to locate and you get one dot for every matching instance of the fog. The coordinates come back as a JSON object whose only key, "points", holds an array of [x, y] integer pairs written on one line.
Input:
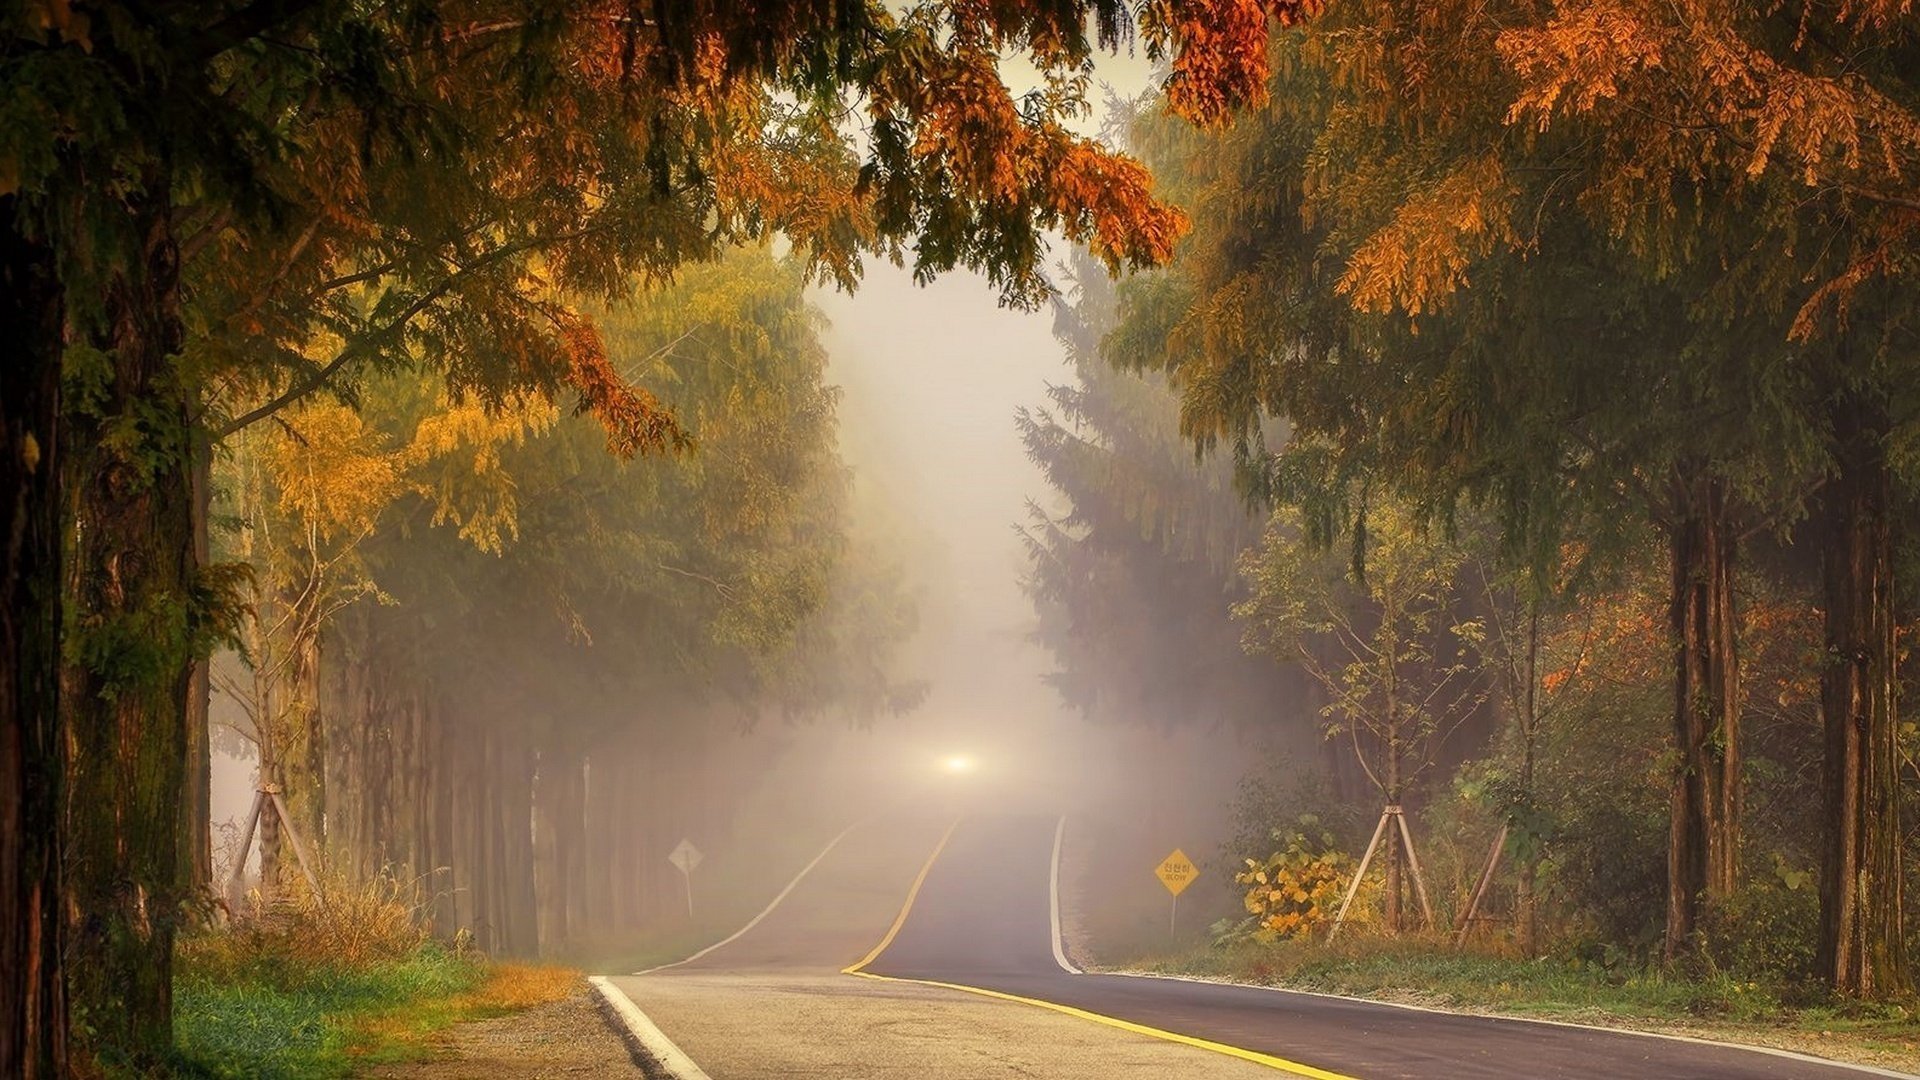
{"points": [[930, 379]]}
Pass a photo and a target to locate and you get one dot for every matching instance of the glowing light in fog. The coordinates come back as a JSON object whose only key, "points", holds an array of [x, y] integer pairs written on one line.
{"points": [[958, 763]]}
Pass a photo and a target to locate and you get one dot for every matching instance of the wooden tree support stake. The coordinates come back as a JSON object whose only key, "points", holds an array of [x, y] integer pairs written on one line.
{"points": [[1413, 864], [1480, 890], [266, 798], [1387, 813], [1360, 872]]}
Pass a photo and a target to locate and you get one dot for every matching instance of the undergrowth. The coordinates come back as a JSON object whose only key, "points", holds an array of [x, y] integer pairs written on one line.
{"points": [[315, 989]]}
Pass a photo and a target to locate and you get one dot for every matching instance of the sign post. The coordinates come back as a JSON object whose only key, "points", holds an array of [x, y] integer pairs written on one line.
{"points": [[686, 857], [1176, 872]]}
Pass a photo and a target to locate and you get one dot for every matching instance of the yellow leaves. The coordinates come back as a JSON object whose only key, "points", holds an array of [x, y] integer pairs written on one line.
{"points": [[455, 460], [1296, 891], [332, 476], [1425, 251], [331, 472]]}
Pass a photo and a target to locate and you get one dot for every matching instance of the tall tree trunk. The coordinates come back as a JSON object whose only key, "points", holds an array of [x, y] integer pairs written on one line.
{"points": [[132, 630], [303, 760], [511, 788], [1861, 949], [1525, 910], [33, 1021], [196, 803], [571, 850], [1396, 908], [558, 812], [1703, 838], [1390, 653]]}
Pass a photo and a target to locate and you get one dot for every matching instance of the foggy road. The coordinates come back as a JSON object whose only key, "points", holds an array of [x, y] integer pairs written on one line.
{"points": [[967, 981]]}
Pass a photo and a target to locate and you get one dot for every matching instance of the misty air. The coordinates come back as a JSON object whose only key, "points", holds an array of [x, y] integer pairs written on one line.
{"points": [[856, 540]]}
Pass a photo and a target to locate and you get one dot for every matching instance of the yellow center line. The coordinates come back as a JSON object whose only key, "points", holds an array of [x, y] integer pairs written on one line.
{"points": [[1258, 1058], [912, 892], [1269, 1060]]}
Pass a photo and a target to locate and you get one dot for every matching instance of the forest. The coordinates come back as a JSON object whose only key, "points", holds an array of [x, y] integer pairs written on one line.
{"points": [[423, 400], [1564, 359]]}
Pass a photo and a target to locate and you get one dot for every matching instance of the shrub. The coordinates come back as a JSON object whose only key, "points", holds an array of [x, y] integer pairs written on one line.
{"points": [[1767, 929], [344, 926], [1295, 891]]}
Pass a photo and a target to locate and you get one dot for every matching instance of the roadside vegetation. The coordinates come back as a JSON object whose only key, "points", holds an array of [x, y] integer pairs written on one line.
{"points": [[326, 990]]}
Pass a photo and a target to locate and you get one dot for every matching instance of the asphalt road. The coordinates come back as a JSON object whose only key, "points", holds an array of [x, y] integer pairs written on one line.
{"points": [[983, 919], [775, 1003]]}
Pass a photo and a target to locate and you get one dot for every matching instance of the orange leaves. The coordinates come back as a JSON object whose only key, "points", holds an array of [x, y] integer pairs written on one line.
{"points": [[1106, 200], [1711, 90], [1578, 58], [1219, 50], [635, 421], [1425, 251]]}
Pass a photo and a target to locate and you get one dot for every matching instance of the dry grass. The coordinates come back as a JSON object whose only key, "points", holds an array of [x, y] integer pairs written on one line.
{"points": [[511, 987], [409, 1033], [343, 926]]}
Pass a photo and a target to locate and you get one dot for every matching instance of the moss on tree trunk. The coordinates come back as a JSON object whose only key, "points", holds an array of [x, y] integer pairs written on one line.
{"points": [[1861, 951], [131, 628]]}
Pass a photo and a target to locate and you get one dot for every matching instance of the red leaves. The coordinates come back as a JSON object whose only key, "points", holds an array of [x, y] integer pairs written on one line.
{"points": [[635, 421]]}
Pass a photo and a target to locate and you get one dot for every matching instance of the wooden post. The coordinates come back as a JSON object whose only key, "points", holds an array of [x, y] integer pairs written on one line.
{"points": [[240, 859], [1480, 891], [1413, 864], [1359, 872], [299, 849]]}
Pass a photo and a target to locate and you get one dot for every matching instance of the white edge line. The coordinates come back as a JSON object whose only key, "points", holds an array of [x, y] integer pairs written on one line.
{"points": [[764, 912], [1053, 892], [644, 1031], [1774, 1051]]}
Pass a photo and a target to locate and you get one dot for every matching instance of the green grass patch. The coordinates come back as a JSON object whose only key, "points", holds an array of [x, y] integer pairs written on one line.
{"points": [[1565, 988], [270, 1018]]}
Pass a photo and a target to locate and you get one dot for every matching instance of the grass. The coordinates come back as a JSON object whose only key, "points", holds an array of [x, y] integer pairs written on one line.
{"points": [[320, 990], [1621, 995], [275, 1019]]}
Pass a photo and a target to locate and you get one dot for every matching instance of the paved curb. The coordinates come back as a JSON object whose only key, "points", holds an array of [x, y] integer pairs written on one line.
{"points": [[667, 1061]]}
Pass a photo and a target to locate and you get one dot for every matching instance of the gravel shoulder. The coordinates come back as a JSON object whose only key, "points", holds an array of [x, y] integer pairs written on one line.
{"points": [[565, 1038]]}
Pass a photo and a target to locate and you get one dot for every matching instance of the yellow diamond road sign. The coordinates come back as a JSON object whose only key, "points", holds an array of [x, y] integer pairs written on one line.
{"points": [[1176, 872]]}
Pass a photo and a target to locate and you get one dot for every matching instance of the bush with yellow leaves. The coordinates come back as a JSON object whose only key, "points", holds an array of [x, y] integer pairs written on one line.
{"points": [[1295, 891]]}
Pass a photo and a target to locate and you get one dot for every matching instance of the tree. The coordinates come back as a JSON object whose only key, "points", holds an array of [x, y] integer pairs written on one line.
{"points": [[617, 614], [117, 114], [1784, 136], [1430, 309], [1385, 644], [32, 759], [1132, 581]]}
